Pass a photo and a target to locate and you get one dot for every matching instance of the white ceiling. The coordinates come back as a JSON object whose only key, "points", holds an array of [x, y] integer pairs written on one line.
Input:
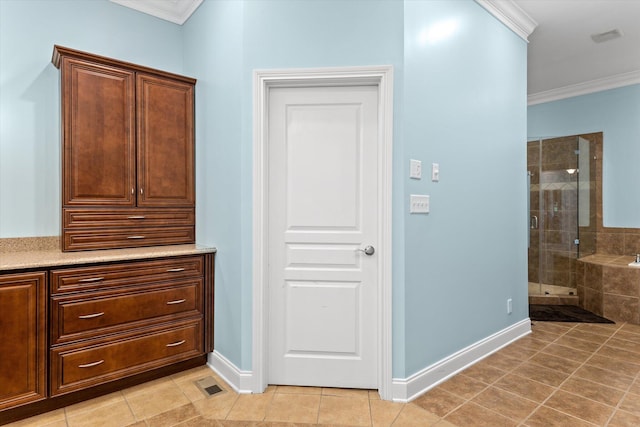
{"points": [[563, 61]]}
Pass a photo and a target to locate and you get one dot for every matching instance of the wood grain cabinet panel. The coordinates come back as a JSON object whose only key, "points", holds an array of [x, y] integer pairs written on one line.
{"points": [[22, 339], [165, 142], [128, 274], [92, 363], [128, 154], [98, 166], [88, 315], [125, 218], [127, 237]]}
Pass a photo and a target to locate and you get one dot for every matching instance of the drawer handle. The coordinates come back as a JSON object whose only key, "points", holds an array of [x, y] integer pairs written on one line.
{"points": [[136, 217], [177, 301], [174, 270], [91, 279], [91, 316], [135, 237], [89, 365], [177, 343]]}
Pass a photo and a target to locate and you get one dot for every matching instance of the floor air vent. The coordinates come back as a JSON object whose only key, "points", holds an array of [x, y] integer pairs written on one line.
{"points": [[208, 386]]}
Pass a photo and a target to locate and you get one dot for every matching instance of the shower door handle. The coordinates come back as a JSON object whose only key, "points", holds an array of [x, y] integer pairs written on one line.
{"points": [[534, 222]]}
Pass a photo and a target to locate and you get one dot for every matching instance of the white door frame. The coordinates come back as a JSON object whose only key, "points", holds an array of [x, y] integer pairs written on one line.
{"points": [[263, 81]]}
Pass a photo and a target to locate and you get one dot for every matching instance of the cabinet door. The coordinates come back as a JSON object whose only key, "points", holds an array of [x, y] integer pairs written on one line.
{"points": [[98, 134], [165, 142], [22, 339]]}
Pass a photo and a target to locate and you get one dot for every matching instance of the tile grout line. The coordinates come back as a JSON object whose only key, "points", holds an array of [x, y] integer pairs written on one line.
{"points": [[510, 372], [626, 393], [593, 353]]}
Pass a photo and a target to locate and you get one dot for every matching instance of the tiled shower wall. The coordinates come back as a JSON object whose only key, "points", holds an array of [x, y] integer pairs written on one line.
{"points": [[552, 252]]}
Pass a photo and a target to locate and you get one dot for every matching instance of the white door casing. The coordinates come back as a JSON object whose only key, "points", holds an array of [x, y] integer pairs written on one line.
{"points": [[320, 268]]}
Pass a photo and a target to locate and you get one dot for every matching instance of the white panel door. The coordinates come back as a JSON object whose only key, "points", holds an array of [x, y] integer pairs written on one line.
{"points": [[323, 178]]}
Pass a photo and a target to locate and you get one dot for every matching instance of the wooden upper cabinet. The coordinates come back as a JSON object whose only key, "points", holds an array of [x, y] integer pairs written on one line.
{"points": [[128, 153], [165, 142], [98, 165]]}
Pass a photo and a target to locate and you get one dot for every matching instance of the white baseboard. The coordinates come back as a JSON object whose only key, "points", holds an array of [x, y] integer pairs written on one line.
{"points": [[241, 381], [407, 389]]}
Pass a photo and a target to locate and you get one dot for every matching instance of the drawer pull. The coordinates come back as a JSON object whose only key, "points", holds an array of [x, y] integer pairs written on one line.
{"points": [[177, 343], [136, 217], [135, 237], [175, 270], [177, 301], [89, 365], [91, 316], [91, 279]]}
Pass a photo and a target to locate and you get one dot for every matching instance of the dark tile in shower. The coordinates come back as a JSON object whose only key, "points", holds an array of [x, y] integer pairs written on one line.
{"points": [[621, 281], [561, 260], [593, 301], [610, 243], [632, 243], [622, 308], [561, 278], [579, 274], [593, 277]]}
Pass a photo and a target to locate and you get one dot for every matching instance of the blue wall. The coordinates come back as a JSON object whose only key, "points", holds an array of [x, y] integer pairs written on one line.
{"points": [[616, 113], [213, 39], [465, 108], [29, 98], [239, 37], [460, 102]]}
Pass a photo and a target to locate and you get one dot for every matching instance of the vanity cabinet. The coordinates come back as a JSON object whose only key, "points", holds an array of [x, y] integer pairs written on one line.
{"points": [[127, 153], [73, 332], [118, 320], [23, 338]]}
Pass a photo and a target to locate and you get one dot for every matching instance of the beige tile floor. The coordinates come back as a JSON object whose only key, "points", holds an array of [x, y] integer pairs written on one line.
{"points": [[563, 374]]}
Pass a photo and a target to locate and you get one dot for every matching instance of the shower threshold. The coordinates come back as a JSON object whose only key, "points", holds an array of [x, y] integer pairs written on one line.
{"points": [[552, 294]]}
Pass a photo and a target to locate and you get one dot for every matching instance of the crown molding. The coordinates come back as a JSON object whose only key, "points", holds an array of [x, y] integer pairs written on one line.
{"points": [[511, 15], [176, 11], [592, 86]]}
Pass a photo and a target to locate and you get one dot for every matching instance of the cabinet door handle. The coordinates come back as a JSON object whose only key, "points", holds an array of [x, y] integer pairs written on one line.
{"points": [[135, 237], [91, 279], [177, 301], [136, 217], [141, 192], [175, 344], [91, 316], [89, 365], [174, 270], [133, 191]]}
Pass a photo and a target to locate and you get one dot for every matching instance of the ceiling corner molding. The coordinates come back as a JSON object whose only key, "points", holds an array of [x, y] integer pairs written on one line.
{"points": [[511, 15], [612, 82], [176, 11]]}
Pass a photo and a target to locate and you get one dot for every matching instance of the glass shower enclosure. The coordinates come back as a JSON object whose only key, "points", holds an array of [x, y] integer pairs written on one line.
{"points": [[561, 226]]}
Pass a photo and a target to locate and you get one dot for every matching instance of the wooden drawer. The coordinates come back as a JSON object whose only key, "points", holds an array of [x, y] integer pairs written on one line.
{"points": [[78, 366], [126, 274], [87, 315], [118, 218], [79, 240]]}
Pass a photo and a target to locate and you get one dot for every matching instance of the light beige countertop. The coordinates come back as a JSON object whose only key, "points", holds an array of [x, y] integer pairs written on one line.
{"points": [[30, 253]]}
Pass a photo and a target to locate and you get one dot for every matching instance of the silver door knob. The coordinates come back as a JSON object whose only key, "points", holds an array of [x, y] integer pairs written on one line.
{"points": [[369, 250]]}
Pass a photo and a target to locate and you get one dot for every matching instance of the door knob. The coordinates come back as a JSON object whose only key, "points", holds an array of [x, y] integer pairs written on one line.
{"points": [[369, 250]]}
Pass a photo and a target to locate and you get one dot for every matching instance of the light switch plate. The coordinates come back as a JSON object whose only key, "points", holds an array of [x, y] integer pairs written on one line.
{"points": [[435, 172], [415, 169], [419, 203]]}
